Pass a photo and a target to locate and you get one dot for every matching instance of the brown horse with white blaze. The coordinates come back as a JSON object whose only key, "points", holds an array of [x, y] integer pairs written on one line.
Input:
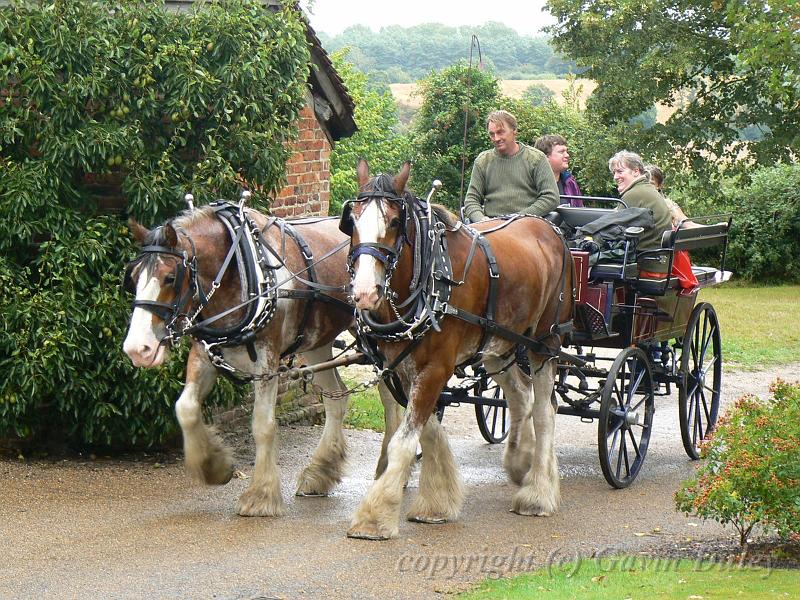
{"points": [[246, 296], [531, 292]]}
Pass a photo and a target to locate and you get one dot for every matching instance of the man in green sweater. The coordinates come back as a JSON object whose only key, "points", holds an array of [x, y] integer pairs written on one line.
{"points": [[510, 178]]}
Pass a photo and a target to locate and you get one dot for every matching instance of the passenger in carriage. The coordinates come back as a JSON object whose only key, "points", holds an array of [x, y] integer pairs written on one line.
{"points": [[554, 148], [656, 176], [635, 188], [510, 178]]}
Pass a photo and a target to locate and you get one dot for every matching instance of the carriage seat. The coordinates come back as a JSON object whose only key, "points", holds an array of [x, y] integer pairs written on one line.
{"points": [[578, 216], [654, 275]]}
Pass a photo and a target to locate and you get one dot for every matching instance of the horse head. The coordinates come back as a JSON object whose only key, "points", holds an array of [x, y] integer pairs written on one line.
{"points": [[158, 279], [376, 222]]}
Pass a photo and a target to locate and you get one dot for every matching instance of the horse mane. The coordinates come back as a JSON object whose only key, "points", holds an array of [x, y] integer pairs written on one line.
{"points": [[383, 182]]}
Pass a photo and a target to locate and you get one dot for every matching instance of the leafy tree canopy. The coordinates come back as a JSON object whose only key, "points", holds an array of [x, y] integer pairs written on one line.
{"points": [[376, 140], [408, 53], [448, 97], [724, 64]]}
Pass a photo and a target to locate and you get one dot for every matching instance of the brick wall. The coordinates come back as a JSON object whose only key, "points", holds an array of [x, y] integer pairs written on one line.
{"points": [[307, 190]]}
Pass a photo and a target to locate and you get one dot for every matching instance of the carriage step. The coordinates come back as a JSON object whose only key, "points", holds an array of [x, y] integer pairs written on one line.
{"points": [[592, 321]]}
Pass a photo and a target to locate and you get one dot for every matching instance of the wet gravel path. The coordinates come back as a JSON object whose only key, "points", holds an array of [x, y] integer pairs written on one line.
{"points": [[139, 528]]}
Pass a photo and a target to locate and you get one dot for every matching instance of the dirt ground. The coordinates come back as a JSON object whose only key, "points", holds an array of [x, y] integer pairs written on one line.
{"points": [[139, 528]]}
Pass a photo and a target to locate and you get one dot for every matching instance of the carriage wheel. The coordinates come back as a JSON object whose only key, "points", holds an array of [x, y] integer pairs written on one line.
{"points": [[701, 368], [493, 421], [626, 417]]}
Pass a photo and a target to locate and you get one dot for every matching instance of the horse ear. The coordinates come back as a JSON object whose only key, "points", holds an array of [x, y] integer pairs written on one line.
{"points": [[401, 178], [362, 170], [139, 231], [170, 235]]}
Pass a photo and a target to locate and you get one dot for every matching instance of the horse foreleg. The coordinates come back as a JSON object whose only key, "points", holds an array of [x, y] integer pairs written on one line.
{"points": [[205, 456], [441, 492], [326, 466], [540, 491], [392, 416], [377, 517], [263, 497]]}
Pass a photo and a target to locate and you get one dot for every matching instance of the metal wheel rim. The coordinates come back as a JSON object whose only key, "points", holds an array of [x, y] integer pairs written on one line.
{"points": [[628, 391], [701, 368], [496, 415]]}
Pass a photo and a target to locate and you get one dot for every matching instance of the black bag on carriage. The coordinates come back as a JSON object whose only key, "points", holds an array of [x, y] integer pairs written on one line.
{"points": [[604, 238]]}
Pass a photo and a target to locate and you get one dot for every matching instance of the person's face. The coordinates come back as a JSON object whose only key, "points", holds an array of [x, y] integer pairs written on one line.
{"points": [[559, 159], [503, 137], [623, 176]]}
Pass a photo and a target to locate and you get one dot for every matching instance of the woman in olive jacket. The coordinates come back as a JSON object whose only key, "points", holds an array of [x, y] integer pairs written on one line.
{"points": [[636, 190]]}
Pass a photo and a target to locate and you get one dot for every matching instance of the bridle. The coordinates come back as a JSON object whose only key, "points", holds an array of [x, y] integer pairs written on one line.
{"points": [[383, 253], [174, 315]]}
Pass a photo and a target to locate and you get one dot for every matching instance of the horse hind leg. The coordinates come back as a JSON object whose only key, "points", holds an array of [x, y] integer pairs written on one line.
{"points": [[441, 491], [205, 456], [540, 492], [519, 447], [263, 498], [327, 464]]}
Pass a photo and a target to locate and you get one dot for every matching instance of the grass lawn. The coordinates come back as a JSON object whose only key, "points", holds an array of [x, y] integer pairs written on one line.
{"points": [[638, 577], [365, 410], [760, 326]]}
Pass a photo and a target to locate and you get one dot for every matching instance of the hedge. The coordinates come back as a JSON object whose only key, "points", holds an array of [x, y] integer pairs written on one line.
{"points": [[161, 103]]}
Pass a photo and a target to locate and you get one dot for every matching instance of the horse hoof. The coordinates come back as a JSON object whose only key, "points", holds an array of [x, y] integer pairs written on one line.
{"points": [[529, 512], [301, 494], [369, 532], [427, 520], [255, 503]]}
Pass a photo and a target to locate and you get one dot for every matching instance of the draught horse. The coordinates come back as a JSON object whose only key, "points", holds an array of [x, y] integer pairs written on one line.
{"points": [[531, 294], [251, 293]]}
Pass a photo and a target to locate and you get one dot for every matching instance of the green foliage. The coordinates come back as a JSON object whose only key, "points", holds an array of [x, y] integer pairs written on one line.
{"points": [[538, 94], [376, 140], [765, 241], [724, 64], [411, 52], [751, 474], [438, 128], [161, 102], [590, 142]]}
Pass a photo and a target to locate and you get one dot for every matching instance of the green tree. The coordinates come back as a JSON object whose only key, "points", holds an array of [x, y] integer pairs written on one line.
{"points": [[448, 98], [377, 138], [725, 64], [537, 94], [162, 102]]}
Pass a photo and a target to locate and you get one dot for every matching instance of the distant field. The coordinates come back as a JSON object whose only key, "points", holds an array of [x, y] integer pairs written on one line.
{"points": [[404, 92]]}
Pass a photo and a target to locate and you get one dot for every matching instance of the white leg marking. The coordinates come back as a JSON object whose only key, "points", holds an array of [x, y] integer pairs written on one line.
{"points": [[263, 497]]}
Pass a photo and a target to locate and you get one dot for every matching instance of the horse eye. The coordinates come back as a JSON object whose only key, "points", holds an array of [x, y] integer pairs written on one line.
{"points": [[394, 223], [169, 280]]}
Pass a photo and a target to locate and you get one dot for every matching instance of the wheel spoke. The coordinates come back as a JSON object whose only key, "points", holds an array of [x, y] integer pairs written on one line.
{"points": [[633, 442], [619, 457], [627, 460], [494, 419]]}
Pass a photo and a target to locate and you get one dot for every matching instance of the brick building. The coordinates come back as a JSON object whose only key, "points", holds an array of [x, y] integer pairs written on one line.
{"points": [[326, 117]]}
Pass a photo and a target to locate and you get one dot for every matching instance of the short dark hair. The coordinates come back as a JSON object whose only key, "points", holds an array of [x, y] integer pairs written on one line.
{"points": [[546, 142]]}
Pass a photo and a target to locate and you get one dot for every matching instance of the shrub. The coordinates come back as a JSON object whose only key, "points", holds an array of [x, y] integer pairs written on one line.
{"points": [[765, 240], [538, 94], [162, 102], [751, 475], [377, 138]]}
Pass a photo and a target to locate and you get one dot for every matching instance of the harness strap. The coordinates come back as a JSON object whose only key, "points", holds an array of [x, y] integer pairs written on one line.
{"points": [[537, 345]]}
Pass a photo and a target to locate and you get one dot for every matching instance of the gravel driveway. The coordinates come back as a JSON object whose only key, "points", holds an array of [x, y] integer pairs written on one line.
{"points": [[140, 529]]}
